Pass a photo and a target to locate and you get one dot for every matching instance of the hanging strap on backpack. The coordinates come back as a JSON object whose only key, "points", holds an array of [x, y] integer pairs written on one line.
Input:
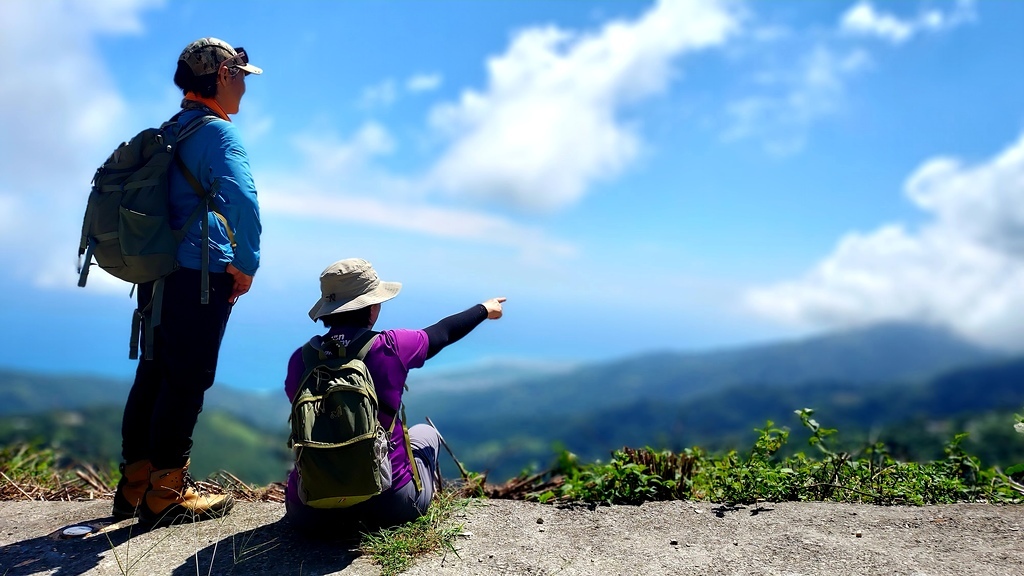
{"points": [[206, 204], [89, 247], [147, 318], [408, 450]]}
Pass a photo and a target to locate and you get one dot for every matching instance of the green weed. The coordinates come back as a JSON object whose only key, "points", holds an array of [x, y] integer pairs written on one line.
{"points": [[871, 475], [1017, 468], [1013, 478], [394, 549]]}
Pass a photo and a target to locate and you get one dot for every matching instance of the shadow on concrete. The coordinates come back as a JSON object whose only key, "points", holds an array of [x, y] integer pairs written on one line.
{"points": [[722, 509], [274, 548], [60, 556]]}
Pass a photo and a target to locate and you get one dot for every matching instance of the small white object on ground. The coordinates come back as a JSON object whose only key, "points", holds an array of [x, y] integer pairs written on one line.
{"points": [[76, 531]]}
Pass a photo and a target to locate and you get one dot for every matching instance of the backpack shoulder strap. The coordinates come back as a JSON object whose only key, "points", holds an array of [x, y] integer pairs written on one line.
{"points": [[310, 357], [205, 201], [364, 342], [193, 125], [313, 358], [361, 345]]}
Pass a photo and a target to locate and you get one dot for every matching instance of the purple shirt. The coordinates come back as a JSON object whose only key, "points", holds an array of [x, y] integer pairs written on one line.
{"points": [[391, 356]]}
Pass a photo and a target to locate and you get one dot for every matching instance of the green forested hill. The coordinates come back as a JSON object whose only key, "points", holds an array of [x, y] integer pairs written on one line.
{"points": [[23, 393], [907, 383], [222, 442], [916, 419], [30, 393], [885, 353]]}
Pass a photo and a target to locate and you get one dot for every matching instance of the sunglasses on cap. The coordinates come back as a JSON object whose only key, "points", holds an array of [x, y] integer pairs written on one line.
{"points": [[241, 58]]}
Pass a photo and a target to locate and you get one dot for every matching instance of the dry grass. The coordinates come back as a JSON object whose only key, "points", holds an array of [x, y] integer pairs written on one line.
{"points": [[32, 474]]}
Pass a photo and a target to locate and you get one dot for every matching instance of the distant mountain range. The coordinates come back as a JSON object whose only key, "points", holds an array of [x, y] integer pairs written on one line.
{"points": [[508, 417], [884, 353]]}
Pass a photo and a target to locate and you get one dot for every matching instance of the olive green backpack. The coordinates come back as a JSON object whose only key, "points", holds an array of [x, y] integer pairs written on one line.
{"points": [[126, 228], [341, 449]]}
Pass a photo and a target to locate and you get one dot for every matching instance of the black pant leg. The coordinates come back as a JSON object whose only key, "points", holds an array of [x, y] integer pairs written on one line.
{"points": [[138, 409], [190, 335], [167, 396]]}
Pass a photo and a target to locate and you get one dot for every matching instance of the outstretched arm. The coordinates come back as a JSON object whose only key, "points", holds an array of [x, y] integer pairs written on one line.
{"points": [[451, 329]]}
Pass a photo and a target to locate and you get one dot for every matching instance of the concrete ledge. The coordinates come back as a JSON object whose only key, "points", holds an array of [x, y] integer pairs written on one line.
{"points": [[508, 537]]}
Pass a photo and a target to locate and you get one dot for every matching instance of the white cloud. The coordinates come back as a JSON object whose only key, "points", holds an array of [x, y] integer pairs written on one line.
{"points": [[792, 92], [964, 268], [379, 95], [423, 83], [791, 99], [548, 123], [863, 19], [335, 206], [59, 111], [386, 92], [340, 182], [329, 154]]}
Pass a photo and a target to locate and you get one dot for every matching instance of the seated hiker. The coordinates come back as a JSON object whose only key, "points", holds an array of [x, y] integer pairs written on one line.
{"points": [[319, 492]]}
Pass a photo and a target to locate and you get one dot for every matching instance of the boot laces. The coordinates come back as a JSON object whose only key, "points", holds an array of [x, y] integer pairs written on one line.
{"points": [[189, 482], [200, 487]]}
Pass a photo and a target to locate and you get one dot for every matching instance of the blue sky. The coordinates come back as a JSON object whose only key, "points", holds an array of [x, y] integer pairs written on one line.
{"points": [[633, 176]]}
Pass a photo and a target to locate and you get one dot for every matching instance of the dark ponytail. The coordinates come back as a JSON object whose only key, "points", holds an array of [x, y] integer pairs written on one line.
{"points": [[205, 85]]}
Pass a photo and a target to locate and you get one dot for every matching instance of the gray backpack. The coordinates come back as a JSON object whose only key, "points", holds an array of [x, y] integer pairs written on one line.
{"points": [[126, 228]]}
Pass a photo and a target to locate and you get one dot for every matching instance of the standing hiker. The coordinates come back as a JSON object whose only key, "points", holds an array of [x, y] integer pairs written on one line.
{"points": [[167, 396], [351, 297]]}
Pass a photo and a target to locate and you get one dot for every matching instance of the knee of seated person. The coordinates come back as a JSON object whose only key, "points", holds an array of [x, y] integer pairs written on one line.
{"points": [[424, 435]]}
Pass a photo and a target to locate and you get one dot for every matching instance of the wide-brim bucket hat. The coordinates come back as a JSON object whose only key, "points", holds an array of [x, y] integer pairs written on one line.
{"points": [[351, 284]]}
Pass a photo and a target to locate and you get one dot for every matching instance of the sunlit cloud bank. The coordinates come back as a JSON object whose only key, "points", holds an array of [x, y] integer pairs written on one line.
{"points": [[963, 268], [540, 134], [548, 124], [58, 101], [864, 19], [58, 106]]}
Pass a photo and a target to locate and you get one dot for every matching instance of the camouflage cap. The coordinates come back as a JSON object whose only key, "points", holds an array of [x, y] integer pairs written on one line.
{"points": [[204, 56]]}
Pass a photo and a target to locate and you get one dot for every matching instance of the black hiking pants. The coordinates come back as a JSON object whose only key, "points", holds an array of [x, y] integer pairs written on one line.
{"points": [[167, 396]]}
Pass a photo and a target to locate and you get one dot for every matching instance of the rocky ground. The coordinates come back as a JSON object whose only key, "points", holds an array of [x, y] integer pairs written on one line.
{"points": [[513, 537]]}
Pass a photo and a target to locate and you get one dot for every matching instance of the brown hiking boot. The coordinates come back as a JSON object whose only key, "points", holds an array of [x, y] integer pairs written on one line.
{"points": [[130, 488], [174, 497]]}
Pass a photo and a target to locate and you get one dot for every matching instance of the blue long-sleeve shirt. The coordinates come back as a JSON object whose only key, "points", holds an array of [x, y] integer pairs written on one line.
{"points": [[215, 156]]}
